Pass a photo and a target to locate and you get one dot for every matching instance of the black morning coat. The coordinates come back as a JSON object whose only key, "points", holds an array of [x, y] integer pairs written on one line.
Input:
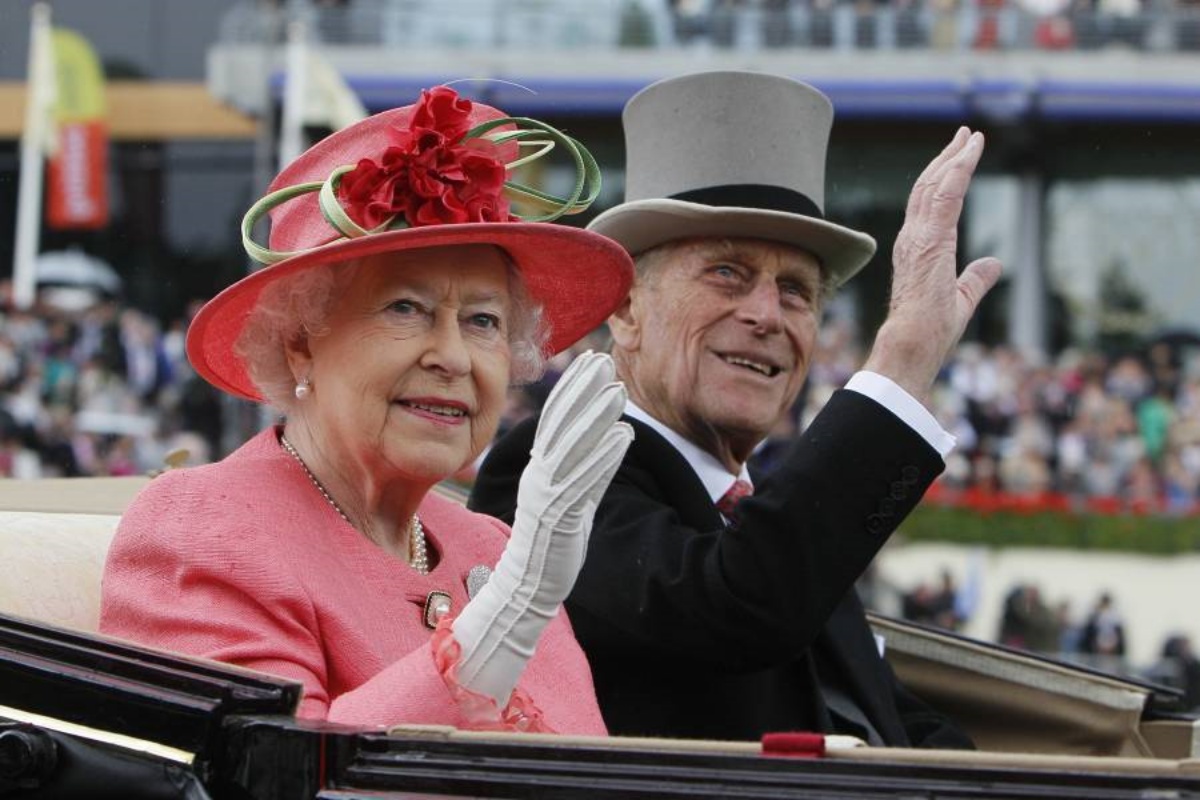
{"points": [[695, 629]]}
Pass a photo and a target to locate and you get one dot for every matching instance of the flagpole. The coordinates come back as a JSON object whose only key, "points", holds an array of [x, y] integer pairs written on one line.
{"points": [[38, 96], [295, 91]]}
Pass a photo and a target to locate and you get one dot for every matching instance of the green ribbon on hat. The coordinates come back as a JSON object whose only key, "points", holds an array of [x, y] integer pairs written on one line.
{"points": [[587, 173]]}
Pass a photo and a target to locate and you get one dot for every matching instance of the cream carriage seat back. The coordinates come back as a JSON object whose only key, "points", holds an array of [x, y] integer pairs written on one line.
{"points": [[54, 535]]}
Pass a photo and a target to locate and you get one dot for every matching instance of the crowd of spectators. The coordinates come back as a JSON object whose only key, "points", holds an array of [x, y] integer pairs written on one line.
{"points": [[1031, 622], [1082, 430], [938, 605], [99, 391], [944, 24], [108, 391], [1152, 25]]}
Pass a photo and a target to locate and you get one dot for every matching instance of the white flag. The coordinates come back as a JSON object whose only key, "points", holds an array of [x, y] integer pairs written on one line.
{"points": [[330, 102]]}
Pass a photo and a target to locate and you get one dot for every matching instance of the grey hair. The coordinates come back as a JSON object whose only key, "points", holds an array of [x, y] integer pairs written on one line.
{"points": [[287, 310], [299, 305], [527, 332]]}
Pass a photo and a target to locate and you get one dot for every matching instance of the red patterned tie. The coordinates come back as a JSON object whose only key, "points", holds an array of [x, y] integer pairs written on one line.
{"points": [[733, 494]]}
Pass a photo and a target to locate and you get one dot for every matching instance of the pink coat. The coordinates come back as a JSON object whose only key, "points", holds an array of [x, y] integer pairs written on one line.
{"points": [[244, 562]]}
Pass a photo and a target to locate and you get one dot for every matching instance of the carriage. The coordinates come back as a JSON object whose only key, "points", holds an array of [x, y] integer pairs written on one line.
{"points": [[84, 715]]}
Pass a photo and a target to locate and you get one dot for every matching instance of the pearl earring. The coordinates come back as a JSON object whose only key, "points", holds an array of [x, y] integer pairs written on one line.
{"points": [[302, 389]]}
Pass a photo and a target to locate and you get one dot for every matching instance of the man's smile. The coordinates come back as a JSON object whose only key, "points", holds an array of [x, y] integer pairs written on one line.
{"points": [[755, 364]]}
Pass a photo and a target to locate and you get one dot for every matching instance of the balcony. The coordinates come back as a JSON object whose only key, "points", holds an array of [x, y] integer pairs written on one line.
{"points": [[915, 58], [747, 26]]}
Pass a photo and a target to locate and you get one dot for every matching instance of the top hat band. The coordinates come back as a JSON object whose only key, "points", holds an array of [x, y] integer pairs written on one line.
{"points": [[753, 195]]}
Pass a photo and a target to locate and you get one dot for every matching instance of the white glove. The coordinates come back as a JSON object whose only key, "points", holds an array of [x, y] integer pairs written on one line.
{"points": [[576, 451]]}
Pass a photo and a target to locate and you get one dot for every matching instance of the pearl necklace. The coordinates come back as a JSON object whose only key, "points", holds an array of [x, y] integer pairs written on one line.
{"points": [[418, 550]]}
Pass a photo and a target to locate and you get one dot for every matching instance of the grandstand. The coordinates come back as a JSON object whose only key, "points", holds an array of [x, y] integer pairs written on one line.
{"points": [[1053, 84]]}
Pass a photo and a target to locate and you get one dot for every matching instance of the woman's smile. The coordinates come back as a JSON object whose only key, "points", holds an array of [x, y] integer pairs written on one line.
{"points": [[436, 410]]}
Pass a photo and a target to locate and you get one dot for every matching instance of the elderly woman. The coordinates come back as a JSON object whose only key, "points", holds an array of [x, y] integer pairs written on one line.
{"points": [[402, 296]]}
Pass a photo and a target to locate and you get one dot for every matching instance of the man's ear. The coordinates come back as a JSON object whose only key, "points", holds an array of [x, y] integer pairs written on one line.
{"points": [[625, 324], [299, 357]]}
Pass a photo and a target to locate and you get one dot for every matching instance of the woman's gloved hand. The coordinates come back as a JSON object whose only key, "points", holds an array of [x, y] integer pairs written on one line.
{"points": [[576, 451]]}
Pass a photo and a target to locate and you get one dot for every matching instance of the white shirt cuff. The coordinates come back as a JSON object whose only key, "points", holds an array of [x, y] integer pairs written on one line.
{"points": [[885, 392]]}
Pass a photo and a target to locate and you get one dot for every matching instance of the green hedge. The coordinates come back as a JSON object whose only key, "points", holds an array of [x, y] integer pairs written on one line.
{"points": [[1140, 534]]}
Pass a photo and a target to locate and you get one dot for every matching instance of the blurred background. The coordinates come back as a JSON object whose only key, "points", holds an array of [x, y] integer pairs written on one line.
{"points": [[1068, 520]]}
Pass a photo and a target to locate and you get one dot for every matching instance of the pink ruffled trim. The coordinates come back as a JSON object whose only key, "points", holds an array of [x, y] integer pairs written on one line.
{"points": [[480, 711]]}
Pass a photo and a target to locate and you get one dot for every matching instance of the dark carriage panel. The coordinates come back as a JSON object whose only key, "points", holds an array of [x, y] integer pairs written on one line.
{"points": [[134, 722]]}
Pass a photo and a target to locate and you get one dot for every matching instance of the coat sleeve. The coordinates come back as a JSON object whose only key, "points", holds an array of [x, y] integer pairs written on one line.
{"points": [[658, 582], [180, 580]]}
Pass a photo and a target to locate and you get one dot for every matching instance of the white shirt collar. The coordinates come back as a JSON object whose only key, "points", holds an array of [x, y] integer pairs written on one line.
{"points": [[712, 473]]}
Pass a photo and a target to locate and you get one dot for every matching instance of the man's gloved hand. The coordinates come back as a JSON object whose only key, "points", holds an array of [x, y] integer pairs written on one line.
{"points": [[576, 451]]}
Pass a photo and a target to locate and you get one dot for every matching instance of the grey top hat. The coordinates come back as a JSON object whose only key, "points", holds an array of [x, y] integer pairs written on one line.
{"points": [[731, 153]]}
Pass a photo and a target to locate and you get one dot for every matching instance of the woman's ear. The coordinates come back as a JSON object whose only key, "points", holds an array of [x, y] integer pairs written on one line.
{"points": [[299, 357], [625, 324]]}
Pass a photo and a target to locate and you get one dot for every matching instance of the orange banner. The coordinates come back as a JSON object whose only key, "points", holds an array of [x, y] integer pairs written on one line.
{"points": [[77, 190], [77, 180]]}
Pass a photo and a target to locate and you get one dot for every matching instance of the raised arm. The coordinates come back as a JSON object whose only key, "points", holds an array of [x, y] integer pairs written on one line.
{"points": [[577, 447], [930, 303]]}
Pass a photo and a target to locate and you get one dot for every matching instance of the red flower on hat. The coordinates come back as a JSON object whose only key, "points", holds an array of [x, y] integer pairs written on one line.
{"points": [[430, 175]]}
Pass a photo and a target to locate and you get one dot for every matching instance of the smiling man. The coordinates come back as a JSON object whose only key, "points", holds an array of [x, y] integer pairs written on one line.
{"points": [[705, 610]]}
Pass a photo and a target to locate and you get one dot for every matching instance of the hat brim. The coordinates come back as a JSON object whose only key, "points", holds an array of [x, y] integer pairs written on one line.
{"points": [[577, 276], [642, 224]]}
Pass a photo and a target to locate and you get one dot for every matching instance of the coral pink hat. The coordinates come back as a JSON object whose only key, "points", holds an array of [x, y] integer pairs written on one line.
{"points": [[431, 174]]}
